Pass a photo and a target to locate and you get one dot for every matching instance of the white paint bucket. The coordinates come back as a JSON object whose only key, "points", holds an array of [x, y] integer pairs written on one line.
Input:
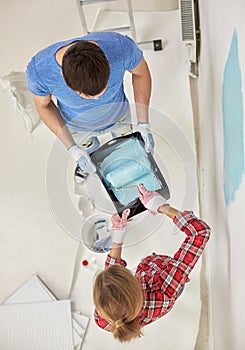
{"points": [[88, 230]]}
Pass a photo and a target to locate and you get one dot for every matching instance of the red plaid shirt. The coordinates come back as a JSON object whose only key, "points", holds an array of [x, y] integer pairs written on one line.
{"points": [[162, 277]]}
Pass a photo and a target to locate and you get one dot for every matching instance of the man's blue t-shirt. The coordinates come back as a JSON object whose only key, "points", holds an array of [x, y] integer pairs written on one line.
{"points": [[45, 78]]}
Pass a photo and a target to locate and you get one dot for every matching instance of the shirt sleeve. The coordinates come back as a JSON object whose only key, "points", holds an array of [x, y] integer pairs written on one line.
{"points": [[176, 273], [101, 322], [35, 84], [112, 261], [132, 55]]}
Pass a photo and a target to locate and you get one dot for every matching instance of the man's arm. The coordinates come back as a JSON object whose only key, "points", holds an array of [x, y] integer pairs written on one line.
{"points": [[141, 81], [51, 116]]}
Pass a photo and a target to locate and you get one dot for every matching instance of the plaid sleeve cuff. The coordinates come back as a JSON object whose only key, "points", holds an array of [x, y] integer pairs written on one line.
{"points": [[183, 218], [187, 222], [112, 261]]}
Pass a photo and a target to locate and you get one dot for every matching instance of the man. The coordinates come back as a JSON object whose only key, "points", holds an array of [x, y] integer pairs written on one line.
{"points": [[85, 75]]}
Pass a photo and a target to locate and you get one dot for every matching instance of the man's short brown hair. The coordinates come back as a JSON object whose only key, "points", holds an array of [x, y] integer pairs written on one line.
{"points": [[85, 68]]}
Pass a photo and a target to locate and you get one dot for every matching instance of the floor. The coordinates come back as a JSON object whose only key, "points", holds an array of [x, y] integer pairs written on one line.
{"points": [[37, 236]]}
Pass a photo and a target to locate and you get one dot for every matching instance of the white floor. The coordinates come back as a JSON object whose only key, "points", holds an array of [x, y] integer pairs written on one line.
{"points": [[32, 239]]}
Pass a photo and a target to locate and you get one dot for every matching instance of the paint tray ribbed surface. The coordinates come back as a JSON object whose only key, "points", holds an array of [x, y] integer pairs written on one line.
{"points": [[122, 164]]}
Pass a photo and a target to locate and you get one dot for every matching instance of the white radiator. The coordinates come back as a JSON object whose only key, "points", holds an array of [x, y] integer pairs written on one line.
{"points": [[188, 32]]}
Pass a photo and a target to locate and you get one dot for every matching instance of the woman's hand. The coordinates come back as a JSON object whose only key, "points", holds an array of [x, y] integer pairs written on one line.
{"points": [[151, 199], [119, 226]]}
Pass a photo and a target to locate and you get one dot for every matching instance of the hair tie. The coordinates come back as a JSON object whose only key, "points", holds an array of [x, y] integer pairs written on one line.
{"points": [[118, 324]]}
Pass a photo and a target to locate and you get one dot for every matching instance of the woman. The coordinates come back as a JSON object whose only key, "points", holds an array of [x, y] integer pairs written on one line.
{"points": [[126, 302]]}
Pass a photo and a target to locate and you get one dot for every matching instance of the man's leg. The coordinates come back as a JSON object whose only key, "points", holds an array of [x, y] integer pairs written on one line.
{"points": [[86, 140], [122, 127]]}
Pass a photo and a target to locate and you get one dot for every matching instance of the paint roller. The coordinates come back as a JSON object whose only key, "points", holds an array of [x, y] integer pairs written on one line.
{"points": [[126, 174]]}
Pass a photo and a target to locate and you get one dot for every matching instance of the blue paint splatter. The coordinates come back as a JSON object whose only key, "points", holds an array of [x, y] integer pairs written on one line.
{"points": [[232, 108]]}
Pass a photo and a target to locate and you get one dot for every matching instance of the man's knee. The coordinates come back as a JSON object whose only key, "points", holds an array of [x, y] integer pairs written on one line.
{"points": [[91, 145]]}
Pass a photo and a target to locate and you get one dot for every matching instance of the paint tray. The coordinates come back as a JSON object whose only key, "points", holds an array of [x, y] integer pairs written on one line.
{"points": [[122, 164]]}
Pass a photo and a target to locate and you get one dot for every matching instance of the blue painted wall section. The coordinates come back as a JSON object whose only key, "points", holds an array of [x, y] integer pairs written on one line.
{"points": [[233, 127]]}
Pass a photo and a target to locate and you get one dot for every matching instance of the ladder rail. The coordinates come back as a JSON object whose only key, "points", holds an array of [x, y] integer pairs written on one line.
{"points": [[82, 16], [121, 29], [131, 20]]}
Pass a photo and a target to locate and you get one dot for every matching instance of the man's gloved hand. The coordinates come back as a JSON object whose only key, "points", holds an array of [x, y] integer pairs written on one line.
{"points": [[119, 226], [143, 128], [151, 199], [82, 158]]}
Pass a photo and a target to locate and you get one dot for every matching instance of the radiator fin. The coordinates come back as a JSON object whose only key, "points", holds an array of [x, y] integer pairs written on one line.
{"points": [[187, 20]]}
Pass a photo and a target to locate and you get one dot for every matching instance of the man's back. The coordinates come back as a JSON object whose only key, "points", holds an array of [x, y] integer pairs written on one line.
{"points": [[44, 76]]}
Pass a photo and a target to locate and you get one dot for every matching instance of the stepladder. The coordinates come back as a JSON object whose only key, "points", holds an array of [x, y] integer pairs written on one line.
{"points": [[157, 44]]}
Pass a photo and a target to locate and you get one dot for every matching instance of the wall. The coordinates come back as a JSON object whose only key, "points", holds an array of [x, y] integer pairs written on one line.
{"points": [[221, 128]]}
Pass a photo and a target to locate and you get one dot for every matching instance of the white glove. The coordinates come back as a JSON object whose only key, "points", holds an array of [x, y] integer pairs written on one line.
{"points": [[151, 199], [119, 226], [82, 158], [143, 128]]}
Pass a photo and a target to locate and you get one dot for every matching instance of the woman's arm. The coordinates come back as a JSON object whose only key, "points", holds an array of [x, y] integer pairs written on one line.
{"points": [[173, 277], [168, 210], [116, 251], [119, 228]]}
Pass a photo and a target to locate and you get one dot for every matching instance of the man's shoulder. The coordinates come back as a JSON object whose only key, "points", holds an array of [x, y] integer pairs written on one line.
{"points": [[50, 50], [108, 38], [103, 35]]}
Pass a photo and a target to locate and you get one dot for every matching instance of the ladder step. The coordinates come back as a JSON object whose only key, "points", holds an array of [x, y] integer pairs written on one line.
{"points": [[89, 2], [119, 29]]}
